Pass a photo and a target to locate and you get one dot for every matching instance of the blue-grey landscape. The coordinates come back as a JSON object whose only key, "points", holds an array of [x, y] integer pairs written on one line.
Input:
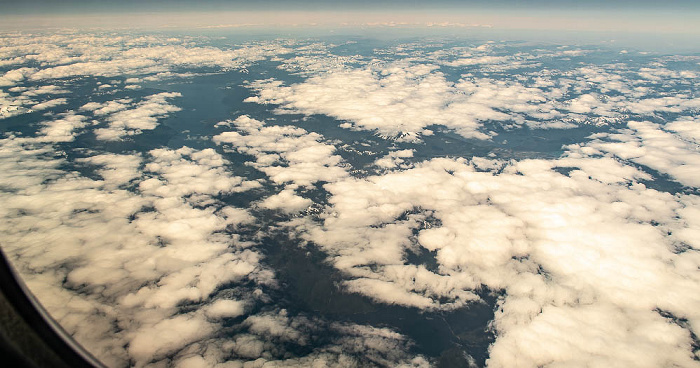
{"points": [[365, 192]]}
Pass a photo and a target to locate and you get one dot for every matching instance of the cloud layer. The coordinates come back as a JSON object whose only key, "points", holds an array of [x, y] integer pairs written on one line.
{"points": [[404, 98], [162, 255]]}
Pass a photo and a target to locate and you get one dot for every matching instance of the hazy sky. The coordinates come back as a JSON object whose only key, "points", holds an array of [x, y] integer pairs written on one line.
{"points": [[83, 6], [129, 5], [637, 16]]}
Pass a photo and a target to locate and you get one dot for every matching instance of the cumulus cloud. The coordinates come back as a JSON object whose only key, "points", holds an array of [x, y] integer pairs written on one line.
{"points": [[131, 273], [12, 77], [105, 108], [116, 170], [139, 258], [70, 55], [277, 326], [396, 101], [225, 308], [186, 171], [554, 243], [50, 103], [262, 338], [167, 336], [64, 55], [333, 344], [399, 99], [23, 100], [286, 201], [143, 116], [687, 128], [11, 105], [394, 159], [43, 90], [316, 57], [287, 154], [102, 256], [380, 346], [651, 145], [61, 130]]}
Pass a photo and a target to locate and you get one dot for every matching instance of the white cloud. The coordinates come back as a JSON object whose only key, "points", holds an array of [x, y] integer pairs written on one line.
{"points": [[64, 55], [49, 104], [109, 107], [143, 116], [592, 264], [116, 170], [394, 159], [663, 104], [225, 308], [61, 130], [687, 128], [314, 58], [12, 77], [572, 253], [286, 201], [351, 345], [13, 105], [47, 89], [380, 346], [167, 336], [288, 155], [70, 55], [276, 326], [17, 104], [101, 256], [649, 144], [479, 60], [396, 101], [186, 171]]}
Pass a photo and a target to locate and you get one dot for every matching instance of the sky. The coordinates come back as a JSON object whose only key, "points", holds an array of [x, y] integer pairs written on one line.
{"points": [[677, 17], [48, 6], [163, 254]]}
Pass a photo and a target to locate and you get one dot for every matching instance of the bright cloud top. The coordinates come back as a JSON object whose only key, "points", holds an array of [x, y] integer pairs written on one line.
{"points": [[345, 188], [404, 99]]}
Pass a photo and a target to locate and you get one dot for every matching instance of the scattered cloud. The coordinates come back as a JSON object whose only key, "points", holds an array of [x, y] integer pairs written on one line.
{"points": [[399, 99], [287, 154], [556, 253], [125, 122], [394, 159], [49, 104], [63, 55], [125, 258], [286, 201], [61, 130], [140, 258], [675, 154]]}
